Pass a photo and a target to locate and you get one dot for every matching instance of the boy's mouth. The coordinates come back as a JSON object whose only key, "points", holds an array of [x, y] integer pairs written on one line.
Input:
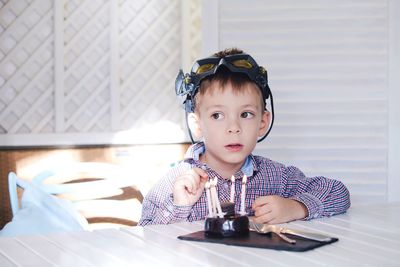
{"points": [[234, 147]]}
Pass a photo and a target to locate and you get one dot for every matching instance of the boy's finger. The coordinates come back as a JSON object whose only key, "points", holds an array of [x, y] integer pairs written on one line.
{"points": [[185, 182], [201, 177], [260, 210], [202, 173], [196, 178], [260, 201]]}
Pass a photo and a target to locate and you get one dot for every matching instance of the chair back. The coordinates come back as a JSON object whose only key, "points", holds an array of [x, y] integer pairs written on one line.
{"points": [[105, 194], [13, 183], [39, 212]]}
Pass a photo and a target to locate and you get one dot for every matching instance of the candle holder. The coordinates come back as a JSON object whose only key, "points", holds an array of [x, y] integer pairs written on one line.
{"points": [[231, 225]]}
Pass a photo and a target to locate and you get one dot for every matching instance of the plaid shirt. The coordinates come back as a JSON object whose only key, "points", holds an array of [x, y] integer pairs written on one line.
{"points": [[322, 196]]}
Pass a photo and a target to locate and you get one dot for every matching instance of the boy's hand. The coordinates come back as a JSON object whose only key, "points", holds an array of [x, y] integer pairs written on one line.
{"points": [[189, 186], [276, 209]]}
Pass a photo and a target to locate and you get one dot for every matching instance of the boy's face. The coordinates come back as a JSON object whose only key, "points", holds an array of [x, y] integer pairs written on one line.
{"points": [[230, 122]]}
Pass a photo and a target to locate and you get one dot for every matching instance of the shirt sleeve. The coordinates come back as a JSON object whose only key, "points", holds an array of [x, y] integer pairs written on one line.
{"points": [[323, 197], [158, 206]]}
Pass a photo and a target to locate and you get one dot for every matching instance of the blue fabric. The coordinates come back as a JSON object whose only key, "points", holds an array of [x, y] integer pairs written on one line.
{"points": [[42, 213]]}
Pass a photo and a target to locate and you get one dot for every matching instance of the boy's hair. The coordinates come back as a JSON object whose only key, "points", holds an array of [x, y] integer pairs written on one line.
{"points": [[223, 76], [228, 52]]}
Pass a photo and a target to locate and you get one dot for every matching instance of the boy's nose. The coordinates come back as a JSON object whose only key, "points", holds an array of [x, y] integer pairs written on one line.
{"points": [[234, 127], [234, 131]]}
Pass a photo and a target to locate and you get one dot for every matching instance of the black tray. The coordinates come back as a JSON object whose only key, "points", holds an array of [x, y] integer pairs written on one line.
{"points": [[269, 241]]}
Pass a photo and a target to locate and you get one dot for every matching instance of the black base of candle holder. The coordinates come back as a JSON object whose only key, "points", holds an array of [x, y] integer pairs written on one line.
{"points": [[229, 226]]}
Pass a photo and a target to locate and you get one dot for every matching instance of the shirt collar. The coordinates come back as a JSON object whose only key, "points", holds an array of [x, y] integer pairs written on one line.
{"points": [[193, 155]]}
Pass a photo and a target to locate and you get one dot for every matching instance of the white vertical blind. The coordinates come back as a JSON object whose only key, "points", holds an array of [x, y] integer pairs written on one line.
{"points": [[393, 106], [327, 63]]}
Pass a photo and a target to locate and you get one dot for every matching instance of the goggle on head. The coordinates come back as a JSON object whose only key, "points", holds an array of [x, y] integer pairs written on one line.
{"points": [[187, 85]]}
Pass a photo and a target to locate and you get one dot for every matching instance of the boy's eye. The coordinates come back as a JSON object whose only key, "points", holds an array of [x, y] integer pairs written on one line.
{"points": [[217, 116], [247, 115]]}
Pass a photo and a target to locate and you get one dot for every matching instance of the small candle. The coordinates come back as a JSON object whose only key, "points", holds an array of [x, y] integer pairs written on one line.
{"points": [[232, 189], [243, 194], [217, 203], [209, 205], [212, 196], [219, 209]]}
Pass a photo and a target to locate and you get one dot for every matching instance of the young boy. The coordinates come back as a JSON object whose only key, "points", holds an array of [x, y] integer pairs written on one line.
{"points": [[225, 100]]}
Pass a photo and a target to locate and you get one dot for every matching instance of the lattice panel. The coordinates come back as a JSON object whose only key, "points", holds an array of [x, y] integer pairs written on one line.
{"points": [[26, 66], [87, 64], [195, 29], [149, 52], [87, 98]]}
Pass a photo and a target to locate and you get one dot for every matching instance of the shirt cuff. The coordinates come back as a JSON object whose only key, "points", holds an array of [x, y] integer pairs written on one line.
{"points": [[314, 206], [176, 212]]}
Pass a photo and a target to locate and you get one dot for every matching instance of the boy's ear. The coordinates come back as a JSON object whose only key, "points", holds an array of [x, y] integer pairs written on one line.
{"points": [[194, 125], [265, 121]]}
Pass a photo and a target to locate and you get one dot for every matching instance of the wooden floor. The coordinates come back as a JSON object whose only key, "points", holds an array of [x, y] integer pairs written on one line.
{"points": [[146, 162]]}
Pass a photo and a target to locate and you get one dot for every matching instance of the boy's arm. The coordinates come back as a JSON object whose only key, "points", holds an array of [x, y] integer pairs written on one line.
{"points": [[322, 196], [158, 206], [155, 211]]}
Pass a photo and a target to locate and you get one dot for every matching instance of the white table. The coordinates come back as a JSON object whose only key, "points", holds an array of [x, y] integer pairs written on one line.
{"points": [[368, 236]]}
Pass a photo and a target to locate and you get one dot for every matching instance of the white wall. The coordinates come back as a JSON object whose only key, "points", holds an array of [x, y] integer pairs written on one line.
{"points": [[393, 105], [332, 69]]}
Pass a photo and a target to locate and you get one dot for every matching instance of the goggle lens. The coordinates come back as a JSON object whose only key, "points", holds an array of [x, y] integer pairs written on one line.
{"points": [[239, 63], [242, 63], [204, 68]]}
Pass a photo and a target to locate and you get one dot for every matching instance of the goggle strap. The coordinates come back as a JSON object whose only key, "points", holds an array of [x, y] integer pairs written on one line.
{"points": [[271, 99], [188, 105]]}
